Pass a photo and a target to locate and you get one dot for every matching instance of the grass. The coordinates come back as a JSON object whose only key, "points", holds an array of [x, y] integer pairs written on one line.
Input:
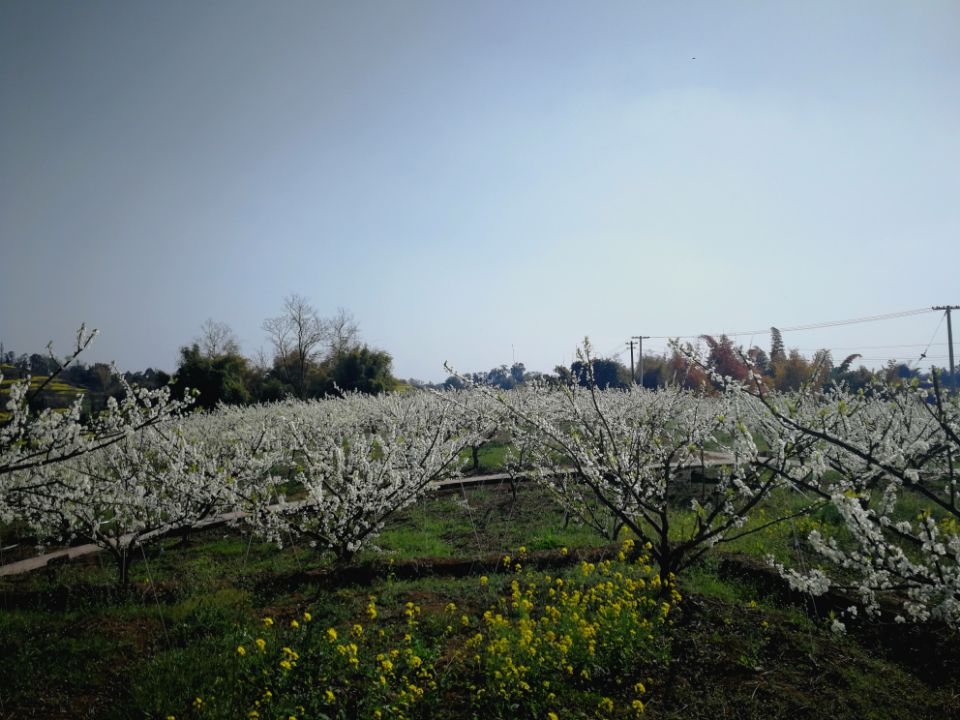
{"points": [[737, 648], [491, 456]]}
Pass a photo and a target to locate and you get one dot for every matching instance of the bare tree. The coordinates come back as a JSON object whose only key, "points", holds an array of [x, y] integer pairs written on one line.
{"points": [[260, 360], [217, 338], [296, 336], [278, 330], [343, 332]]}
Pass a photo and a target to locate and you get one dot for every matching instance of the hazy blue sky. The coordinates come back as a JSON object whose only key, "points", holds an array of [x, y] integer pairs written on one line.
{"points": [[478, 181]]}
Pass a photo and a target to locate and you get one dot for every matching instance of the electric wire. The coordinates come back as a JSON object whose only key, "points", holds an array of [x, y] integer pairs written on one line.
{"points": [[619, 351], [807, 326], [923, 355]]}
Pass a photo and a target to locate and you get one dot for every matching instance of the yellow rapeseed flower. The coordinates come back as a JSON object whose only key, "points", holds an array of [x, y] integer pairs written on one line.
{"points": [[241, 650]]}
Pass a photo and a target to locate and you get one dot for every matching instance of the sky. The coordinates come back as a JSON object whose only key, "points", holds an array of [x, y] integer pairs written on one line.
{"points": [[479, 182]]}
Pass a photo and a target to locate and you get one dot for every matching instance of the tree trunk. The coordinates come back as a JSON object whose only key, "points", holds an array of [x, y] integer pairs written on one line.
{"points": [[124, 559]]}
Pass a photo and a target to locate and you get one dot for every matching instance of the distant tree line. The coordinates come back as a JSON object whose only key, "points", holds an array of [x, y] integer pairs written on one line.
{"points": [[780, 369], [97, 382], [790, 370], [309, 357]]}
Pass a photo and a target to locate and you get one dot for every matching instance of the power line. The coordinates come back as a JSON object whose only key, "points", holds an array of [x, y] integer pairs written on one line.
{"points": [[923, 355], [616, 353], [808, 326], [872, 347], [902, 357]]}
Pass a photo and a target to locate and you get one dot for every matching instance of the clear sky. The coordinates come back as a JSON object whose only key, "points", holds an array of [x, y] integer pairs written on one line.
{"points": [[478, 181]]}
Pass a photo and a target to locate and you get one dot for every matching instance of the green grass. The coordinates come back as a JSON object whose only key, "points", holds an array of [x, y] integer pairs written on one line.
{"points": [[491, 457], [738, 650]]}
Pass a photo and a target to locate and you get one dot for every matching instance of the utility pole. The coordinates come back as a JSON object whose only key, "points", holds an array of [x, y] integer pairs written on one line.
{"points": [[633, 377], [640, 339], [947, 309]]}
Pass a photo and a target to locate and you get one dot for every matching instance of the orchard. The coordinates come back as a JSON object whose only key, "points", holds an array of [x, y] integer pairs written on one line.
{"points": [[849, 498]]}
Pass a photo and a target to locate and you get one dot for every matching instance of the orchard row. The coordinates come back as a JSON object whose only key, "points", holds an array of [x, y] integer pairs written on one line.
{"points": [[332, 472]]}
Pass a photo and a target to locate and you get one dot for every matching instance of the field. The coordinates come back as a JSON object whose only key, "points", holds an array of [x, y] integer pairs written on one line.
{"points": [[665, 554], [738, 644], [56, 394]]}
